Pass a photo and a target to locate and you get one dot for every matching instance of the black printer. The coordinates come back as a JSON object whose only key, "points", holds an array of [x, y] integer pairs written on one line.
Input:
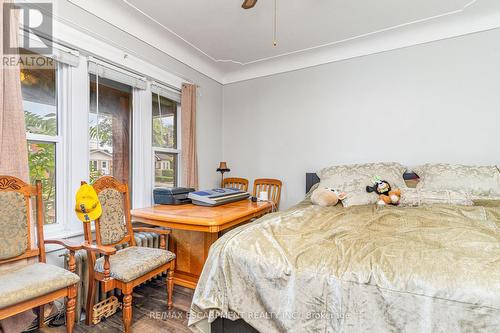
{"points": [[171, 196]]}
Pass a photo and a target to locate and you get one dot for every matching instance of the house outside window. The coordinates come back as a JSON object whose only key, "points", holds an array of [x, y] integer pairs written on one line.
{"points": [[165, 143]]}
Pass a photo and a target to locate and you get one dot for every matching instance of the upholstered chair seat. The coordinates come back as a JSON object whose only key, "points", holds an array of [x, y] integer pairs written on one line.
{"points": [[134, 261], [28, 282]]}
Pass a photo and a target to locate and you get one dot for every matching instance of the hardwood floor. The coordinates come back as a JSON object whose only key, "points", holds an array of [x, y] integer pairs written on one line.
{"points": [[150, 312]]}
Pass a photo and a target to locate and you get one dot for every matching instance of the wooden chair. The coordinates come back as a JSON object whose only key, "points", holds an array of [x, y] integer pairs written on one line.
{"points": [[239, 183], [127, 268], [271, 186], [35, 284]]}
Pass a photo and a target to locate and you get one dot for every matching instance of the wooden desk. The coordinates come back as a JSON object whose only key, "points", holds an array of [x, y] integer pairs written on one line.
{"points": [[195, 229]]}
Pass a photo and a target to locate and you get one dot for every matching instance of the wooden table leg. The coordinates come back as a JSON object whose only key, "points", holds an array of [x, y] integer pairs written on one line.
{"points": [[191, 249]]}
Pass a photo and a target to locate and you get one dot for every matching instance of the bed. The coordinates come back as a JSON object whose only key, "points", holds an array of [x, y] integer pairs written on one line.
{"points": [[432, 268]]}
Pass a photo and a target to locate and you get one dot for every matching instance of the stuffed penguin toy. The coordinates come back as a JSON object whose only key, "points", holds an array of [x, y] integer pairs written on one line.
{"points": [[386, 195]]}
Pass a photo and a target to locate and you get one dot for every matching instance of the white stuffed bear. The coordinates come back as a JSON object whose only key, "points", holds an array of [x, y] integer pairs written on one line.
{"points": [[326, 197]]}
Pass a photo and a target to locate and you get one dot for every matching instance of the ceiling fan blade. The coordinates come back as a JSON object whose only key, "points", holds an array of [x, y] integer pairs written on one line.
{"points": [[247, 4]]}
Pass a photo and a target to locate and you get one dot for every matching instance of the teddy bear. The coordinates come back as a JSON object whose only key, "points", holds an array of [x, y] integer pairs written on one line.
{"points": [[326, 197], [387, 196]]}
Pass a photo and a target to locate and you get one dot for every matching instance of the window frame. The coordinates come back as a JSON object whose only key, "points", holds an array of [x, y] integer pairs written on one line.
{"points": [[58, 141], [131, 115], [177, 152]]}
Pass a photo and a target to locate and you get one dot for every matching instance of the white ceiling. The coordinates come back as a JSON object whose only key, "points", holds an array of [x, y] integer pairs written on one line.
{"points": [[224, 31], [227, 43]]}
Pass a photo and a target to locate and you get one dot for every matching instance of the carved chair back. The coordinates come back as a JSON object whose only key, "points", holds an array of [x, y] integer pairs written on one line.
{"points": [[271, 186], [239, 183], [114, 227], [16, 241]]}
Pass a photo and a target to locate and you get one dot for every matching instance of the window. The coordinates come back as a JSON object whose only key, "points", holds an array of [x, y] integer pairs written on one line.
{"points": [[165, 149], [40, 102], [109, 129], [59, 116]]}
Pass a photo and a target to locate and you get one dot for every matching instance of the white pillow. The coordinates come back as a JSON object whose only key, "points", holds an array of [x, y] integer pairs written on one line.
{"points": [[353, 179], [479, 181], [358, 198], [415, 197]]}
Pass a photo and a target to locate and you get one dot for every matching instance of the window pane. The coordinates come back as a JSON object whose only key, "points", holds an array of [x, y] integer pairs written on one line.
{"points": [[42, 163], [164, 122], [110, 130], [39, 91], [165, 166]]}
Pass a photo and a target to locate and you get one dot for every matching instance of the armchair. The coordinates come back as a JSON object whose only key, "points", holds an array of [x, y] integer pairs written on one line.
{"points": [[127, 268], [31, 285]]}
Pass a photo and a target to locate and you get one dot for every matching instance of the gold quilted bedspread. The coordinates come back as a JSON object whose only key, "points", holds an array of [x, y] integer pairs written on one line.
{"points": [[359, 269]]}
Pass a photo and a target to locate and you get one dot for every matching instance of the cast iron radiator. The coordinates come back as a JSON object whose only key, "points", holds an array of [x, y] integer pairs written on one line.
{"points": [[146, 239]]}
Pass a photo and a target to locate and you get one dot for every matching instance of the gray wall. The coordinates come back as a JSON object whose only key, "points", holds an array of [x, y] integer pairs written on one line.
{"points": [[427, 103]]}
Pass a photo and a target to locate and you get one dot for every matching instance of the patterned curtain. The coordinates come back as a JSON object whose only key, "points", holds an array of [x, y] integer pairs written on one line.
{"points": [[188, 133]]}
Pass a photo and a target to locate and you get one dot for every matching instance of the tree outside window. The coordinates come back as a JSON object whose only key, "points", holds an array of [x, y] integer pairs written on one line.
{"points": [[39, 91]]}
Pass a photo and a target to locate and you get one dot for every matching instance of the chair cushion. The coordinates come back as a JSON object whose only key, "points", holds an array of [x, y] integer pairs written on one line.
{"points": [[31, 281], [133, 262]]}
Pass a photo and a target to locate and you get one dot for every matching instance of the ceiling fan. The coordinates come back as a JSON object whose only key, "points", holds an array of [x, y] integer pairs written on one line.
{"points": [[247, 4]]}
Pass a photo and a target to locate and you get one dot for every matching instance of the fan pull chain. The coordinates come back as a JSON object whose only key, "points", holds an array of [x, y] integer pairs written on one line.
{"points": [[275, 40]]}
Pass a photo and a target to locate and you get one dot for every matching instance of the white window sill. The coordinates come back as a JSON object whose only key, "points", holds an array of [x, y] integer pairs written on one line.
{"points": [[63, 234]]}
